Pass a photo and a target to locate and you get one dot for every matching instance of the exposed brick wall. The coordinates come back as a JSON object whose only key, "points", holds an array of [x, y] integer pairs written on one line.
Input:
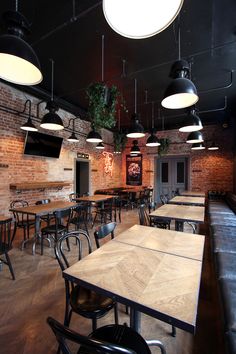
{"points": [[209, 170], [23, 168]]}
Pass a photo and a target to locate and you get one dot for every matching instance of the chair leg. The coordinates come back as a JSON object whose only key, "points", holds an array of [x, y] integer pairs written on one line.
{"points": [[173, 332], [94, 323], [10, 266], [116, 314]]}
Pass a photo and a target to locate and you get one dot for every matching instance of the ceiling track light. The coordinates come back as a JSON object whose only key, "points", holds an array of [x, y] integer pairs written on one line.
{"points": [[51, 120], [140, 19], [195, 137], [100, 146], [136, 131], [181, 92], [198, 146], [152, 140], [19, 63], [135, 150], [29, 126], [192, 122], [213, 146]]}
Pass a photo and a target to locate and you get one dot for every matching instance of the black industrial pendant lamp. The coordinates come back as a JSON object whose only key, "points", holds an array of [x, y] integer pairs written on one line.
{"points": [[93, 137], [140, 19], [191, 122], [198, 146], [29, 126], [18, 62], [100, 146], [195, 137], [73, 138], [136, 131], [51, 120], [135, 150], [152, 140], [213, 146], [181, 92]]}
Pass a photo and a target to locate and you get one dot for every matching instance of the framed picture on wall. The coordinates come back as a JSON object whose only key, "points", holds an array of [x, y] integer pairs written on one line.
{"points": [[134, 170]]}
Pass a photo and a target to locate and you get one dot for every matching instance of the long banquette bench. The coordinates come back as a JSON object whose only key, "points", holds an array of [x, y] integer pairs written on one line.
{"points": [[222, 219]]}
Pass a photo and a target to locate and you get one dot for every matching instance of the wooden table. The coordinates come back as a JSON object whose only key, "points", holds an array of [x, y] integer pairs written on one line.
{"points": [[177, 243], [180, 199], [43, 209], [180, 213], [162, 285], [96, 198], [192, 194]]}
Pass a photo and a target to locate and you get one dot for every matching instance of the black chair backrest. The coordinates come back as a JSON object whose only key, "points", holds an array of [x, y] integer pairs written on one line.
{"points": [[43, 201], [82, 241], [73, 196], [63, 333], [19, 203], [143, 215], [5, 234], [103, 231]]}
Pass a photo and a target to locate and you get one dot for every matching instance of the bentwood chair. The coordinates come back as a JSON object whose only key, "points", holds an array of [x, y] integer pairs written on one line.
{"points": [[6, 239], [104, 231], [79, 217], [108, 339], [48, 217], [22, 221], [80, 300], [104, 213], [143, 215]]}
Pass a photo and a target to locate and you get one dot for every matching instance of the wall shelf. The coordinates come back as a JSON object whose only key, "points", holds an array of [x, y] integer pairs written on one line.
{"points": [[38, 185]]}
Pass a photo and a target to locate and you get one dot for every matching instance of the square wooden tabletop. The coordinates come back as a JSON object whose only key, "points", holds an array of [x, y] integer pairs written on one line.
{"points": [[180, 213], [44, 209], [180, 199], [169, 241], [159, 284], [95, 198]]}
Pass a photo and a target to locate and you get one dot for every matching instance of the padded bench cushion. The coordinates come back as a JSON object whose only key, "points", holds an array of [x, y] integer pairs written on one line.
{"points": [[224, 242], [219, 229], [230, 199], [226, 265], [223, 220], [228, 294], [231, 342]]}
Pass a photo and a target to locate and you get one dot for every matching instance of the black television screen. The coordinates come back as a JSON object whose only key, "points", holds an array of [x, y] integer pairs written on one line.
{"points": [[40, 144]]}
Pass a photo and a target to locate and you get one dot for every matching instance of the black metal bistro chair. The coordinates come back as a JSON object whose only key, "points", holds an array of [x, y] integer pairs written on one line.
{"points": [[117, 339], [80, 300], [47, 217], [6, 239], [104, 213], [143, 215], [22, 221], [79, 217], [104, 231]]}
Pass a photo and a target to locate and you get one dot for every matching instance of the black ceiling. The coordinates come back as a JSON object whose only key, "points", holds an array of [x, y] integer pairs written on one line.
{"points": [[208, 30]]}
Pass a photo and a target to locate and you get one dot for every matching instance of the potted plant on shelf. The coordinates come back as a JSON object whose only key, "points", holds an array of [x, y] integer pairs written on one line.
{"points": [[102, 105], [163, 148]]}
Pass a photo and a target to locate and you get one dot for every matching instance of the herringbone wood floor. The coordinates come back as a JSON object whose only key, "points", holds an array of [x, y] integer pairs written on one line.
{"points": [[38, 292]]}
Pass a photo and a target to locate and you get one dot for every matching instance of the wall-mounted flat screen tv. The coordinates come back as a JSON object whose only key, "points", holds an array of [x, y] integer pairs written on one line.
{"points": [[39, 144]]}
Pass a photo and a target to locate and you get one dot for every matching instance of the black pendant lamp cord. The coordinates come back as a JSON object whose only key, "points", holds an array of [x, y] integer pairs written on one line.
{"points": [[179, 44], [135, 96], [16, 5], [103, 58], [52, 82], [152, 116]]}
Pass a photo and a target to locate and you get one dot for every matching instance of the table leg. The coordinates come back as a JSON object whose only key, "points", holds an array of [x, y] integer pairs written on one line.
{"points": [[135, 319], [37, 234]]}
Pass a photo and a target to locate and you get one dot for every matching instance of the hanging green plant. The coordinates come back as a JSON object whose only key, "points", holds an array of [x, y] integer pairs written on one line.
{"points": [[164, 147], [102, 105], [119, 139]]}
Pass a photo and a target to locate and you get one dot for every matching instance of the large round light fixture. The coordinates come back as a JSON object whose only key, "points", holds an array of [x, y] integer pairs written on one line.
{"points": [[181, 92], [136, 131], [51, 120], [191, 123], [195, 137], [18, 62], [139, 19], [94, 137]]}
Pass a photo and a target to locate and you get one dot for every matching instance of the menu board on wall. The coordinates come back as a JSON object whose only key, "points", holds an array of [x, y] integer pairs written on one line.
{"points": [[134, 170]]}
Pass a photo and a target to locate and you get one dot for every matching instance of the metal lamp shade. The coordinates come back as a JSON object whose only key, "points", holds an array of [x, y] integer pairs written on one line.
{"points": [[181, 93], [140, 19], [100, 146], [192, 123], [29, 126], [18, 62], [137, 131], [213, 146], [52, 121], [195, 137], [73, 138], [94, 137], [152, 141], [135, 149], [198, 146]]}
